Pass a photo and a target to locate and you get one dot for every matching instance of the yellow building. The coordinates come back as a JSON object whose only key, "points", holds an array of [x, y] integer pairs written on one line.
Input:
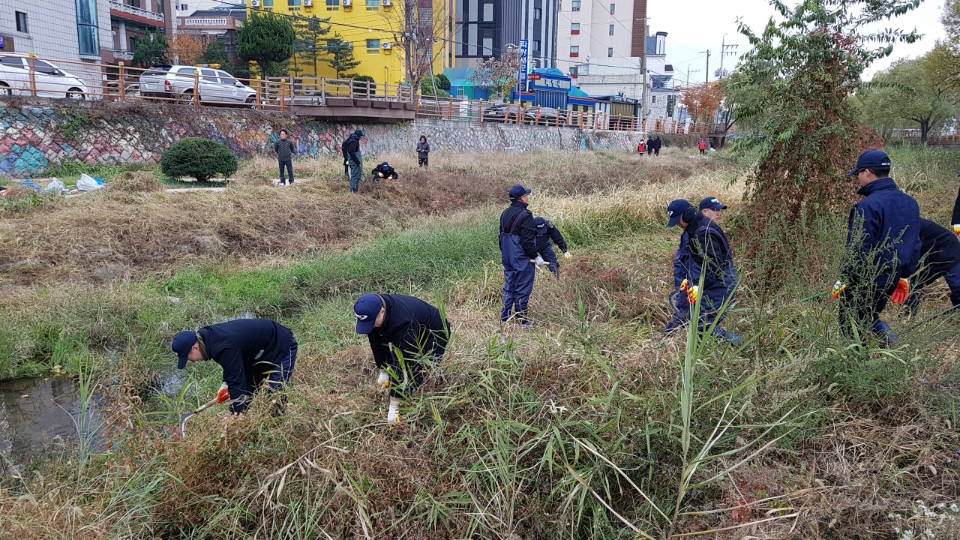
{"points": [[378, 34]]}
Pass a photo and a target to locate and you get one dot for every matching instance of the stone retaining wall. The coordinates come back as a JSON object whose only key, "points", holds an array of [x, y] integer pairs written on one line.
{"points": [[38, 134]]}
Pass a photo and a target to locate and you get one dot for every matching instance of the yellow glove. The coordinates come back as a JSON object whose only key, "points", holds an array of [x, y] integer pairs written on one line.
{"points": [[684, 286], [956, 229], [223, 394], [838, 289], [693, 294], [901, 293]]}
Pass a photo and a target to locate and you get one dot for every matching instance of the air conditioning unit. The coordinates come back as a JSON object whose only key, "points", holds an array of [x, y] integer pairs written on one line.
{"points": [[307, 3], [347, 3], [255, 3], [387, 3], [387, 45]]}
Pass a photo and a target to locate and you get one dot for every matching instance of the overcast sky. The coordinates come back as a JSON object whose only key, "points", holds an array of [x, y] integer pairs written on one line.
{"points": [[697, 25]]}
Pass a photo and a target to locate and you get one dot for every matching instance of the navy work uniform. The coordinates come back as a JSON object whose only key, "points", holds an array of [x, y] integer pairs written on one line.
{"points": [[940, 259], [681, 261], [353, 158], [518, 250], [250, 351], [547, 232], [710, 256]]}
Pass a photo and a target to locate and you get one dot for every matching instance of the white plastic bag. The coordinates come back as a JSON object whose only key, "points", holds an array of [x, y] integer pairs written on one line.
{"points": [[88, 183], [55, 186]]}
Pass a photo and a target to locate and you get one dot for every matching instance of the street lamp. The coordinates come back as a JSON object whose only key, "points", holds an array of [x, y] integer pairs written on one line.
{"points": [[643, 70]]}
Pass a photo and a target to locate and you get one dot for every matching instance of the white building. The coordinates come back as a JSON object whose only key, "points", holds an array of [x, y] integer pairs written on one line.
{"points": [[55, 29], [599, 32]]}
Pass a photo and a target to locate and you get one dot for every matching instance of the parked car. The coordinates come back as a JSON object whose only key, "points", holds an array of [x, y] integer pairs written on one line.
{"points": [[496, 113], [542, 116], [179, 82], [50, 80]]}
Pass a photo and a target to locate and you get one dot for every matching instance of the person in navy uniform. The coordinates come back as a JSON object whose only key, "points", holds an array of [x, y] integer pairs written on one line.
{"points": [[406, 335], [253, 353], [940, 258], [518, 253], [883, 245], [547, 232], [678, 298]]}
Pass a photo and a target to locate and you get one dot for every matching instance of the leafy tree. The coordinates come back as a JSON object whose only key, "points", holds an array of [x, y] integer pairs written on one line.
{"points": [[150, 50], [904, 96], [187, 49], [443, 82], [795, 83], [341, 56], [215, 53], [499, 74], [703, 101], [198, 158], [267, 39], [416, 31], [307, 47], [431, 86]]}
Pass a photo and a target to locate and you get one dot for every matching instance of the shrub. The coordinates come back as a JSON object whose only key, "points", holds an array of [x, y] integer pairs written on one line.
{"points": [[198, 158]]}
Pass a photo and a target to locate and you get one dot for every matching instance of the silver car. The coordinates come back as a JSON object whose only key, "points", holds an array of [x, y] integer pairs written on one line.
{"points": [[180, 82], [50, 80]]}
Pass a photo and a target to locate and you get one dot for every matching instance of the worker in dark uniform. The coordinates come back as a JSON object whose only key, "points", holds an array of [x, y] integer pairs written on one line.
{"points": [[681, 261], [406, 336], [956, 216], [384, 171], [710, 256], [518, 252], [252, 352], [940, 258], [353, 158], [547, 232], [883, 245]]}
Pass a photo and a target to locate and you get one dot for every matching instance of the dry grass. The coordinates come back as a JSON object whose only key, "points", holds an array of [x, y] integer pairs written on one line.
{"points": [[135, 182]]}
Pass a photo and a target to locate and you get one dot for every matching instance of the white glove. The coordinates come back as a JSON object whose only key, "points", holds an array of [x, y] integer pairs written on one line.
{"points": [[383, 380], [539, 261], [393, 413], [567, 255]]}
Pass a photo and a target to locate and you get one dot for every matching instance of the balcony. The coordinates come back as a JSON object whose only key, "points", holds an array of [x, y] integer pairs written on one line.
{"points": [[131, 13]]}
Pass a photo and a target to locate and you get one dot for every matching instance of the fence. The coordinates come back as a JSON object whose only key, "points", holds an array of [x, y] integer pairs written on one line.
{"points": [[41, 77]]}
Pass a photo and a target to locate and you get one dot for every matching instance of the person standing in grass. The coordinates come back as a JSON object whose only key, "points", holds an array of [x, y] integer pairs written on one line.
{"points": [[518, 253], [285, 150], [353, 158], [254, 354], [407, 335], [547, 232], [678, 298], [883, 249], [657, 145], [423, 152], [650, 145], [703, 146], [712, 208]]}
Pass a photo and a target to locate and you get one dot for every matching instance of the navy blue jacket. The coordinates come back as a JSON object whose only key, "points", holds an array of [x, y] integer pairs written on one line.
{"points": [[956, 210], [681, 261], [709, 254], [387, 170], [412, 326], [547, 232], [248, 350], [939, 247], [516, 219], [890, 240], [351, 148]]}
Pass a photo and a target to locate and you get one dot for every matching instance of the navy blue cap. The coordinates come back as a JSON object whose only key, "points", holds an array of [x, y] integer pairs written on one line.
{"points": [[518, 191], [367, 309], [181, 345], [359, 133], [871, 159], [675, 209], [713, 204]]}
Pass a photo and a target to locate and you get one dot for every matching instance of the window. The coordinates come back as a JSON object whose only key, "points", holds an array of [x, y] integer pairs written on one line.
{"points": [[611, 29], [574, 5], [268, 3], [610, 52], [44, 67], [11, 61], [486, 42], [184, 71], [613, 9], [293, 3], [574, 51], [21, 21], [87, 32], [537, 13], [488, 13], [373, 46], [536, 45], [209, 76], [333, 5], [573, 72], [575, 29], [653, 99], [373, 5]]}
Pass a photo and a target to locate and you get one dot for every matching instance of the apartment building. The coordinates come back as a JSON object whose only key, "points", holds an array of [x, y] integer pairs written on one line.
{"points": [[485, 28], [600, 31], [133, 20]]}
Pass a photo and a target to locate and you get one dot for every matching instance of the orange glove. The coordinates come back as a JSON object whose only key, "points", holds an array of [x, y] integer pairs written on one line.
{"points": [[838, 289], [684, 286], [901, 293], [223, 394], [956, 229], [693, 294]]}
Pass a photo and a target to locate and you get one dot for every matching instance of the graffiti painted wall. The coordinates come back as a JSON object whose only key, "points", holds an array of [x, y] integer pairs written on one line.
{"points": [[35, 135]]}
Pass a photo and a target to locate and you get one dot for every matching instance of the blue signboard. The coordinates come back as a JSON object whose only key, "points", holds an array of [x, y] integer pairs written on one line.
{"points": [[1, 42], [524, 64]]}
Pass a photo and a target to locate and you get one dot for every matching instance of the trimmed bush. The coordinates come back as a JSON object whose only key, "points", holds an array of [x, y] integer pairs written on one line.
{"points": [[198, 158]]}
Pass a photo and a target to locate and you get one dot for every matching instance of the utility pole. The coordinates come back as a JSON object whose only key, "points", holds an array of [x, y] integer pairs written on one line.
{"points": [[708, 65], [643, 72], [689, 71], [726, 50]]}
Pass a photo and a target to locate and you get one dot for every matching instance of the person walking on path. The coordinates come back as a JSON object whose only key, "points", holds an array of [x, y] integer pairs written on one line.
{"points": [[407, 335], [642, 147], [883, 250], [253, 353], [657, 145], [547, 232], [353, 158], [703, 146], [940, 258], [423, 152], [285, 150], [650, 145], [518, 253]]}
